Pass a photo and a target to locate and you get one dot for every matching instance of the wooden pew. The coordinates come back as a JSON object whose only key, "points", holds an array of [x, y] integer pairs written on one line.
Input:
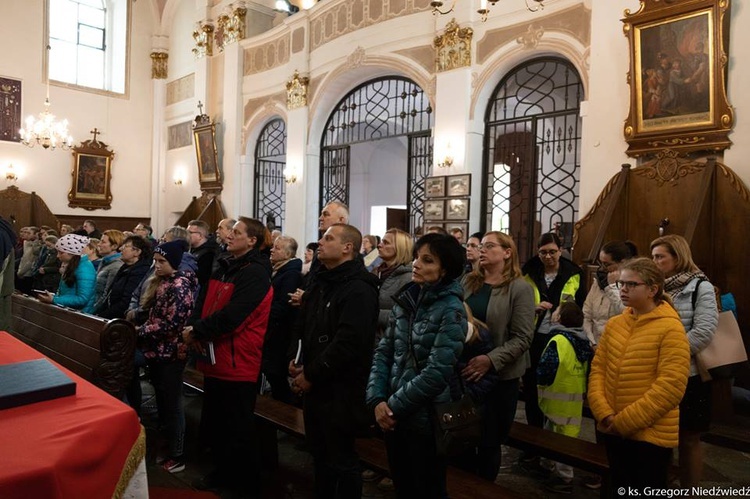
{"points": [[581, 454], [274, 415], [99, 350]]}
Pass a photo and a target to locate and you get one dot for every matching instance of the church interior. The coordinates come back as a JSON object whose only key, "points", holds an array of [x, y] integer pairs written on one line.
{"points": [[598, 120]]}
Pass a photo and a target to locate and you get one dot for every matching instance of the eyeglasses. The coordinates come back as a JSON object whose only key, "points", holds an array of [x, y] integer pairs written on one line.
{"points": [[472, 245], [548, 252], [629, 284], [488, 246]]}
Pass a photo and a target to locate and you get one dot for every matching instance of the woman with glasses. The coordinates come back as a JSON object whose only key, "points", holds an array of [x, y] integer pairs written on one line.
{"points": [[638, 377], [499, 297], [552, 277], [135, 254], [603, 300], [695, 301]]}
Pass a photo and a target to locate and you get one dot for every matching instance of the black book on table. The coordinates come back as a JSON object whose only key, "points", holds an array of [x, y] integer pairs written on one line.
{"points": [[33, 381]]}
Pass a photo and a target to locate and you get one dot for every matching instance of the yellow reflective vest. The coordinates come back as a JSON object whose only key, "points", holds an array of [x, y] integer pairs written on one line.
{"points": [[562, 401]]}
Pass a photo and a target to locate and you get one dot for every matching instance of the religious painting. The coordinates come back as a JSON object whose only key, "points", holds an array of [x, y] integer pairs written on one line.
{"points": [[434, 187], [678, 84], [459, 185], [457, 209], [10, 109], [209, 174], [92, 174]]}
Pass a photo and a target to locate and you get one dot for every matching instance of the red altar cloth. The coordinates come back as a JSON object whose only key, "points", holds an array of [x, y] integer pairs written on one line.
{"points": [[65, 448]]}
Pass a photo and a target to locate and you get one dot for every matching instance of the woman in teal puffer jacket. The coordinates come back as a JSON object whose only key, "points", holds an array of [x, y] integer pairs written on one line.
{"points": [[78, 284], [414, 362]]}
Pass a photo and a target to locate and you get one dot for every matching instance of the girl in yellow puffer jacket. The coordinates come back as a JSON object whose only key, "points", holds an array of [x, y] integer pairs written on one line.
{"points": [[638, 377]]}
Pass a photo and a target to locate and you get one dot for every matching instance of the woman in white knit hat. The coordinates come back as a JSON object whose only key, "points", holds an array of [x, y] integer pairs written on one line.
{"points": [[78, 283]]}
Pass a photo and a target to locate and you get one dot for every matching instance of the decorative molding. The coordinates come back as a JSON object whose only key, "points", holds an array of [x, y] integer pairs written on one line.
{"points": [[530, 39], [203, 36], [668, 167], [296, 91], [423, 55], [179, 135], [574, 22], [230, 27], [356, 58], [159, 65], [259, 111], [181, 89], [271, 54], [453, 47], [734, 181], [337, 19]]}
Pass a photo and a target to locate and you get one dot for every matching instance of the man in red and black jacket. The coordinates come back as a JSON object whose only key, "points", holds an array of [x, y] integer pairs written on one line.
{"points": [[233, 317]]}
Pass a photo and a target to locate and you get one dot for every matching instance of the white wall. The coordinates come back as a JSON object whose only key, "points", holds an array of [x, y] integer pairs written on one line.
{"points": [[377, 178], [125, 123]]}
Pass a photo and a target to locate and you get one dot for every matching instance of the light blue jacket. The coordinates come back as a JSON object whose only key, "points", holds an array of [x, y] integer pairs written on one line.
{"points": [[82, 294], [700, 324]]}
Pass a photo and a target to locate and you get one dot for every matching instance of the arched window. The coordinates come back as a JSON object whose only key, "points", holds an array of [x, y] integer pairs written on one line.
{"points": [[88, 42], [270, 186], [395, 113], [532, 153]]}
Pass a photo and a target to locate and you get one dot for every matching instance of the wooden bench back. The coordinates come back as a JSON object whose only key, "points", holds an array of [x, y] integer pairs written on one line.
{"points": [[96, 349]]}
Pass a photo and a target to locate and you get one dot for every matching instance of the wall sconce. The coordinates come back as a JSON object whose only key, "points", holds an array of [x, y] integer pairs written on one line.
{"points": [[448, 159], [290, 175], [178, 178], [446, 163], [10, 174]]}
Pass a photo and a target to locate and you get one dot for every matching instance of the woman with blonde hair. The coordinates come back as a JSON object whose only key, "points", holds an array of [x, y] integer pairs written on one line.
{"points": [[694, 299], [395, 250], [638, 377], [499, 296]]}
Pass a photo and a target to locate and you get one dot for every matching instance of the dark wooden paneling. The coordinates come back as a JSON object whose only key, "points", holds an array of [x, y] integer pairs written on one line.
{"points": [[104, 223]]}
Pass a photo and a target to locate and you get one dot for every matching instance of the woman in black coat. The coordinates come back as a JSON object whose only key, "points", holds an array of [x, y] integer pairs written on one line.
{"points": [[136, 259]]}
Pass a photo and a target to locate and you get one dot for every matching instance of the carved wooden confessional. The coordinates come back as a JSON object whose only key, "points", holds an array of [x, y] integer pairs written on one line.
{"points": [[22, 209], [702, 200]]}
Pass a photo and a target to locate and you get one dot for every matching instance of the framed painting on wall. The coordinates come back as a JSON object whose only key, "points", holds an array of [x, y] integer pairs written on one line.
{"points": [[459, 185], [434, 187], [678, 67], [92, 174], [434, 209], [457, 209], [209, 172]]}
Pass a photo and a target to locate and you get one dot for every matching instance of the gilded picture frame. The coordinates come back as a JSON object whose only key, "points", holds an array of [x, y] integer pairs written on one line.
{"points": [[209, 172], [678, 69], [92, 176]]}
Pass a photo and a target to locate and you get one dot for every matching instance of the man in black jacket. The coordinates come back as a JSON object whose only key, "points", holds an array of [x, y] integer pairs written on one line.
{"points": [[337, 325]]}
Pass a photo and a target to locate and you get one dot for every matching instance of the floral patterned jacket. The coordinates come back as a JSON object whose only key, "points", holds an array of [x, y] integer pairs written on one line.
{"points": [[160, 337]]}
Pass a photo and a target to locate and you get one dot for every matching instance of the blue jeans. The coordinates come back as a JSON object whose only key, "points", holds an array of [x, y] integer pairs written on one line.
{"points": [[167, 380]]}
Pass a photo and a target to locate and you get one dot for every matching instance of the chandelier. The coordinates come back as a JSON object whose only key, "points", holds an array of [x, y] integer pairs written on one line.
{"points": [[484, 9], [45, 131]]}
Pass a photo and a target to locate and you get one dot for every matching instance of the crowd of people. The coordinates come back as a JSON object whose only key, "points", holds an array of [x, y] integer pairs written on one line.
{"points": [[370, 334]]}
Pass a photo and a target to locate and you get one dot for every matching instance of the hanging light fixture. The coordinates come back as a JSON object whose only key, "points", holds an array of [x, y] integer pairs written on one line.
{"points": [[45, 130], [437, 6]]}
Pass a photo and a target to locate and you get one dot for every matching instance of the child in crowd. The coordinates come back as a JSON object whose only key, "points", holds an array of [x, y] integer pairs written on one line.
{"points": [[561, 381]]}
